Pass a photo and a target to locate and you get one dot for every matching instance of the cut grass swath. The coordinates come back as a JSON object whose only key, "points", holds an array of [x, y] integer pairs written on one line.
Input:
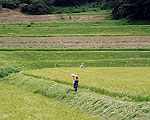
{"points": [[131, 83]]}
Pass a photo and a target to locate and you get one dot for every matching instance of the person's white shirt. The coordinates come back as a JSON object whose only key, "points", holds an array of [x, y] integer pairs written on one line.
{"points": [[82, 65]]}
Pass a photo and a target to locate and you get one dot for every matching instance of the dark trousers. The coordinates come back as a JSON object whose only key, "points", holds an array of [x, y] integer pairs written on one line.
{"points": [[75, 85], [75, 89]]}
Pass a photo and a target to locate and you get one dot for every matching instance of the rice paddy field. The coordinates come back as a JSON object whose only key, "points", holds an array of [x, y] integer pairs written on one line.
{"points": [[102, 106], [28, 60], [116, 92], [117, 82], [73, 29], [77, 42], [17, 104], [38, 54]]}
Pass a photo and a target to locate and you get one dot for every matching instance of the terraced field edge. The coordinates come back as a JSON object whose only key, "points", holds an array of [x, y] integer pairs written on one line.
{"points": [[74, 49]]}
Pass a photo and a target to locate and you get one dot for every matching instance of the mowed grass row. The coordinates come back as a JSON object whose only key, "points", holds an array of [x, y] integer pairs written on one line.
{"points": [[37, 60], [73, 29], [101, 106], [17, 104], [127, 83]]}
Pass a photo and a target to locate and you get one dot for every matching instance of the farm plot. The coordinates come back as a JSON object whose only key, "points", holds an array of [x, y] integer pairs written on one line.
{"points": [[73, 29], [77, 42], [28, 60], [101, 106], [17, 104], [128, 83]]}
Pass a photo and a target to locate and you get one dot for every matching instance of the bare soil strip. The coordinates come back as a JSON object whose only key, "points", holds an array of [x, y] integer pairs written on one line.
{"points": [[77, 42]]}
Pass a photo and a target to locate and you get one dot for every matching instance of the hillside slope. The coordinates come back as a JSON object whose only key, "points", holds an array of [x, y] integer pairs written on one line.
{"points": [[15, 16]]}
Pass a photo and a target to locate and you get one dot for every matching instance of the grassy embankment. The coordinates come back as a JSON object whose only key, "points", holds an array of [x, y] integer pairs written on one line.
{"points": [[17, 104]]}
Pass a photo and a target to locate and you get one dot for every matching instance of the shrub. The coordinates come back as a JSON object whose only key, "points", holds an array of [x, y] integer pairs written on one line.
{"points": [[12, 4], [36, 7], [5, 71], [0, 7], [139, 9]]}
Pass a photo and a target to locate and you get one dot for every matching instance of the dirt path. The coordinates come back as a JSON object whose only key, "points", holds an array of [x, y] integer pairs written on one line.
{"points": [[77, 42]]}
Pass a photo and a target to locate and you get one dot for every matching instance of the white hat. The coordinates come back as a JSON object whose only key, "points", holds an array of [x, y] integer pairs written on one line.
{"points": [[73, 75]]}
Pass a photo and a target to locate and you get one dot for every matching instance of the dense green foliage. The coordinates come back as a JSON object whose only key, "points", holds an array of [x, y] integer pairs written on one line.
{"points": [[5, 71], [87, 7], [35, 7], [139, 9], [12, 4], [51, 6], [0, 7]]}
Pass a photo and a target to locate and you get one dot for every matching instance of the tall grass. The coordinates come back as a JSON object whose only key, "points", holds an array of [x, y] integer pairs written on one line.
{"points": [[9, 69], [101, 106], [17, 104], [130, 83]]}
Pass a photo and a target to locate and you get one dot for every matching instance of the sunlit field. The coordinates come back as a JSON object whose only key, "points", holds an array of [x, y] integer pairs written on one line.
{"points": [[38, 54], [119, 82], [17, 104], [73, 29]]}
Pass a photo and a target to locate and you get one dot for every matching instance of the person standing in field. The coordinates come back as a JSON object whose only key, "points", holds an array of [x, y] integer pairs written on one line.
{"points": [[75, 79], [82, 65]]}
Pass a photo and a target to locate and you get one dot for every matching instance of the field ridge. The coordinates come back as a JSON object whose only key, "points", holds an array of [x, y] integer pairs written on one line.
{"points": [[75, 49]]}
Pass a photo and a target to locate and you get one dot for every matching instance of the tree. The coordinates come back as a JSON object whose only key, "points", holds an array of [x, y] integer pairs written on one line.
{"points": [[0, 7], [12, 4], [139, 9], [37, 7]]}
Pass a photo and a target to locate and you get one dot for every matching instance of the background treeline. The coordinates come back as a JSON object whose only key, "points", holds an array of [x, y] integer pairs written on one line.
{"points": [[52, 6], [132, 9]]}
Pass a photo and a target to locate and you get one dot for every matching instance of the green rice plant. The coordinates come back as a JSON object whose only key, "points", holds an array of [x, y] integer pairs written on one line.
{"points": [[74, 29], [46, 88], [132, 83], [17, 104], [28, 60], [101, 106], [9, 69]]}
